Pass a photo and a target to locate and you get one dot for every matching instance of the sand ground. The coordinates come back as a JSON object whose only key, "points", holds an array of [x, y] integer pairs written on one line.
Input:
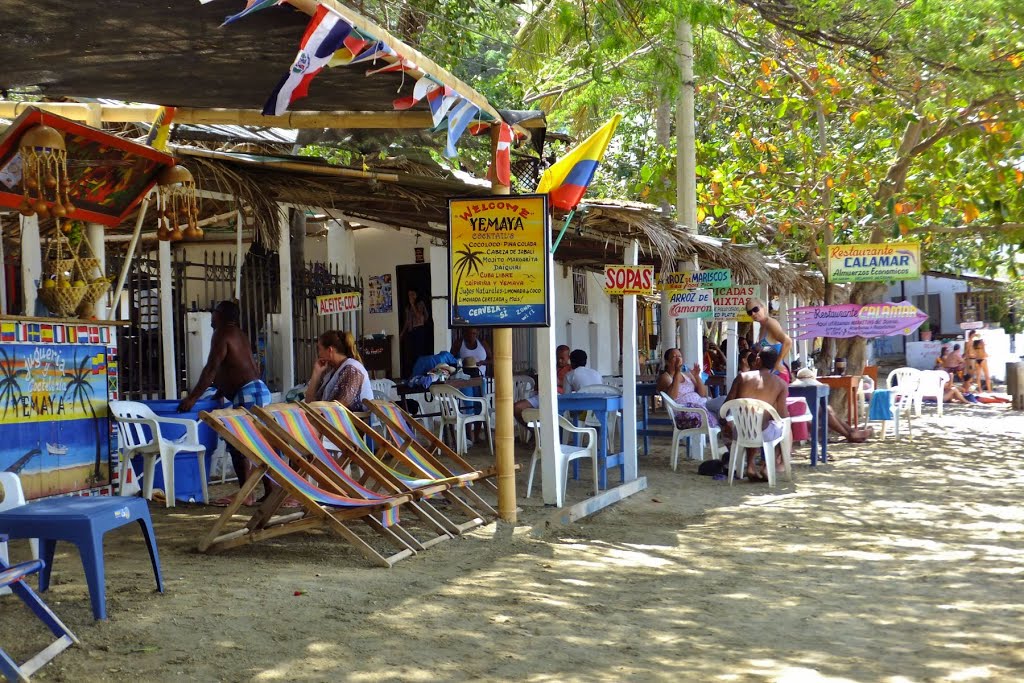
{"points": [[899, 561]]}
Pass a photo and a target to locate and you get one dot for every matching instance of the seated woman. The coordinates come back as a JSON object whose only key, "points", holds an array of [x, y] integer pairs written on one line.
{"points": [[686, 388], [953, 395], [338, 374]]}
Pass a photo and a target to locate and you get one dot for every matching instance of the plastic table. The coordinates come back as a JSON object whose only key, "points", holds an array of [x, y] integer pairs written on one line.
{"points": [[816, 396], [82, 521]]}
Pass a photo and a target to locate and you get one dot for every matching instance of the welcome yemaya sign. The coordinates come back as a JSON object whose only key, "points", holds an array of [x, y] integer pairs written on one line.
{"points": [[874, 262]]}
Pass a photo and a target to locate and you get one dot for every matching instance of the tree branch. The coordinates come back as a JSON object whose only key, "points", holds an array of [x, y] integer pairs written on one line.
{"points": [[970, 229]]}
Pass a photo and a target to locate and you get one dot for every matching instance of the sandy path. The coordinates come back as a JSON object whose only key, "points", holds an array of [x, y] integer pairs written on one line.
{"points": [[899, 562]]}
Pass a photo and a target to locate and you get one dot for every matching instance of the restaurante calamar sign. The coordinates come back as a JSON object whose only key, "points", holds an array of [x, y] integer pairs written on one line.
{"points": [[874, 262], [497, 257]]}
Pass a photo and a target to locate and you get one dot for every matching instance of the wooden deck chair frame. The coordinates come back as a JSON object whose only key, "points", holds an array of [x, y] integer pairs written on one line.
{"points": [[426, 444], [443, 527], [263, 524], [375, 467]]}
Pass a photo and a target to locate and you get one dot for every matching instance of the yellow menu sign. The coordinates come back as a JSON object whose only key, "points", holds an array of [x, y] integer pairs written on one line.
{"points": [[497, 252]]}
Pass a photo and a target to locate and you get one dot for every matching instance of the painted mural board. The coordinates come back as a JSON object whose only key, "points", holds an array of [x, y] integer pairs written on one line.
{"points": [[54, 429], [379, 293], [498, 249], [696, 304], [718, 278], [731, 303], [624, 280], [856, 320], [874, 262]]}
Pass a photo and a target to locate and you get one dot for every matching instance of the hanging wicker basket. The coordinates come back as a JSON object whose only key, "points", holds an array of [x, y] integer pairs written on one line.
{"points": [[64, 285]]}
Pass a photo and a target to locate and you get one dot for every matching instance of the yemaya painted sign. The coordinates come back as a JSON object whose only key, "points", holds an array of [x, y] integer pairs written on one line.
{"points": [[874, 262], [54, 431], [720, 278], [855, 320], [698, 303], [497, 261], [345, 302], [731, 303], [629, 279]]}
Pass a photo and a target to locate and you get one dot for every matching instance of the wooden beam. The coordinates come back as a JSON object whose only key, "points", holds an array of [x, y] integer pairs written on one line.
{"points": [[144, 113], [585, 508]]}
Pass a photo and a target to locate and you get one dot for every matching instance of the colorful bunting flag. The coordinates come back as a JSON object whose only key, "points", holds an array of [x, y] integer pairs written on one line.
{"points": [[7, 332], [566, 181], [251, 6], [401, 64], [503, 155], [459, 118], [441, 100], [324, 35], [424, 86]]}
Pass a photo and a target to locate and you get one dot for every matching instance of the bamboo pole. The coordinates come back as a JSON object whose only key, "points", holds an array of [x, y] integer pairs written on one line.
{"points": [[128, 254], [146, 113], [504, 435]]}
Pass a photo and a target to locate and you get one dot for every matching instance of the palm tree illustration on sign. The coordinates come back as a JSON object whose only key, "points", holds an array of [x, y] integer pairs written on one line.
{"points": [[80, 392], [10, 390], [467, 262]]}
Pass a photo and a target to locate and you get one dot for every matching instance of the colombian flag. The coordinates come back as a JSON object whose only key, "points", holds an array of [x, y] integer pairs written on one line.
{"points": [[566, 181]]}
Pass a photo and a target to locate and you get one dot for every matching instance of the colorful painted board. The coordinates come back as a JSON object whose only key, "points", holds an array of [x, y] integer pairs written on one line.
{"points": [[109, 175], [731, 303], [378, 292], [692, 304], [343, 302], [498, 249], [874, 262], [855, 320], [719, 278], [54, 430], [622, 280]]}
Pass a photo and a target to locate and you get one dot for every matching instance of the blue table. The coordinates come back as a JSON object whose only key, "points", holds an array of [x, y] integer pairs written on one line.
{"points": [[600, 405], [644, 391], [816, 396], [82, 521]]}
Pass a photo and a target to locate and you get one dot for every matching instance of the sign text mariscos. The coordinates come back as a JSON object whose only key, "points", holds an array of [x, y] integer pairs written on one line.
{"points": [[874, 262], [720, 278], [497, 258]]}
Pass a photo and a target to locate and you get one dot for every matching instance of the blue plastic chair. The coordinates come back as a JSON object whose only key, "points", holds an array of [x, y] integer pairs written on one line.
{"points": [[82, 521], [15, 578]]}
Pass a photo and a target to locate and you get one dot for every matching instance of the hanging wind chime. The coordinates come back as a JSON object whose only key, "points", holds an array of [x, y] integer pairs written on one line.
{"points": [[44, 163], [177, 206]]}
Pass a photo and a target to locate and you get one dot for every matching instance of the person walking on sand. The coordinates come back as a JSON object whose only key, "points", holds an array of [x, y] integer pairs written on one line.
{"points": [[232, 369]]}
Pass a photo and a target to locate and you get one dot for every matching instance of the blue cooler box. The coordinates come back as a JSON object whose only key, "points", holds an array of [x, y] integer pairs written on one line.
{"points": [[186, 469]]}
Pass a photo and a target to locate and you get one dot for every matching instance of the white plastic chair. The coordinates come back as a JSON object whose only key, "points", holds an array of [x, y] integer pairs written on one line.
{"points": [[450, 401], [904, 388], [387, 389], [612, 381], [523, 387], [565, 453], [703, 431], [747, 417], [133, 421], [932, 384], [613, 418], [14, 496], [865, 389]]}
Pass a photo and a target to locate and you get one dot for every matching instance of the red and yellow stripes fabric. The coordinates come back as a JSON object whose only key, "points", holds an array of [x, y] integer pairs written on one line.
{"points": [[401, 433], [244, 429]]}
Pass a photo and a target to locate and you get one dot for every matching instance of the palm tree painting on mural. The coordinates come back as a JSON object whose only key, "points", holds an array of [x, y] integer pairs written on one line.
{"points": [[467, 262], [80, 392], [10, 390]]}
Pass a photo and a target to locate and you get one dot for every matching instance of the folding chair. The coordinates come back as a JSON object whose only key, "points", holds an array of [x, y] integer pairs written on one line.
{"points": [[289, 422], [322, 508], [14, 577], [389, 465]]}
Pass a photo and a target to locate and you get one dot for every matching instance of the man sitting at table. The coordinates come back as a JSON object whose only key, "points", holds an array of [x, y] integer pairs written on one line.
{"points": [[533, 400], [762, 384], [580, 376]]}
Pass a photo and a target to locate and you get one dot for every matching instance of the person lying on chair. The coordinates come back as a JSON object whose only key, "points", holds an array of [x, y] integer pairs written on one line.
{"points": [[763, 384]]}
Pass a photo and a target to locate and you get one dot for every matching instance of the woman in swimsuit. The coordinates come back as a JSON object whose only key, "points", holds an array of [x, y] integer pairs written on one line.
{"points": [[772, 335]]}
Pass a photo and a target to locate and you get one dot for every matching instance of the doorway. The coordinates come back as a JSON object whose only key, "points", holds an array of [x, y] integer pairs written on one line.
{"points": [[419, 341]]}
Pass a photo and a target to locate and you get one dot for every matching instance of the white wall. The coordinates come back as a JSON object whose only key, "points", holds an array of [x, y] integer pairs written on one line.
{"points": [[596, 332], [377, 252]]}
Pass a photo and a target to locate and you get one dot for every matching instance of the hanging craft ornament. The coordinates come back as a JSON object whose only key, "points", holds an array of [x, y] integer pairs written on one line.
{"points": [[44, 160], [177, 206]]}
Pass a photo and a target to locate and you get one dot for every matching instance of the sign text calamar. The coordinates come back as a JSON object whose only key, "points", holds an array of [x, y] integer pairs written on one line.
{"points": [[345, 302], [874, 262], [629, 279]]}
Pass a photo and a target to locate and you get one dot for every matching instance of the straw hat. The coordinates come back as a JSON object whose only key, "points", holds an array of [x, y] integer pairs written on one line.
{"points": [[469, 362], [807, 373]]}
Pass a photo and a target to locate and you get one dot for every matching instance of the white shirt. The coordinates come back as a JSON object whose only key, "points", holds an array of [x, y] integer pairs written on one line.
{"points": [[479, 353], [579, 378]]}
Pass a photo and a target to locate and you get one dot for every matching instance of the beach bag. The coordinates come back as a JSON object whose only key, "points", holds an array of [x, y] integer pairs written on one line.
{"points": [[710, 468]]}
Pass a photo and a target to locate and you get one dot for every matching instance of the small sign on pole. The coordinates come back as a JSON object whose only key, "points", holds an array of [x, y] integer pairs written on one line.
{"points": [[619, 279], [345, 302], [719, 278], [731, 303], [694, 304]]}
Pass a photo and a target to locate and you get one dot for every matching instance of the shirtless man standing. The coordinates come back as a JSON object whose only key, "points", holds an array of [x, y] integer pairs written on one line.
{"points": [[232, 369], [761, 383]]}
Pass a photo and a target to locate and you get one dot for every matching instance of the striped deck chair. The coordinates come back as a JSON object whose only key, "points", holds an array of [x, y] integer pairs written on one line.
{"points": [[424, 447], [345, 429], [292, 425], [322, 508]]}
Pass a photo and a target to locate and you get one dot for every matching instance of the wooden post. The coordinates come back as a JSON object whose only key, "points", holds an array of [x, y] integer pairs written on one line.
{"points": [[732, 357], [504, 435], [169, 361], [31, 262], [630, 350], [239, 221], [553, 486], [96, 233], [129, 254]]}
